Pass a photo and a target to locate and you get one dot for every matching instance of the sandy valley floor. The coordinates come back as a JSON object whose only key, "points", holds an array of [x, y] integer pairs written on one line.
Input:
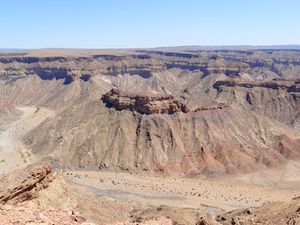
{"points": [[224, 193]]}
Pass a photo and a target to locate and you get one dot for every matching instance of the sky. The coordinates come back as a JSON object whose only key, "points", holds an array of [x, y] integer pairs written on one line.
{"points": [[147, 23]]}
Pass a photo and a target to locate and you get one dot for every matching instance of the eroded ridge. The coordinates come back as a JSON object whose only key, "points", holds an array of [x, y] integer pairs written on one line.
{"points": [[275, 84]]}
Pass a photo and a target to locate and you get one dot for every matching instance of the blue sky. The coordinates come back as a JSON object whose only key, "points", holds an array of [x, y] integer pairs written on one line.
{"points": [[147, 23]]}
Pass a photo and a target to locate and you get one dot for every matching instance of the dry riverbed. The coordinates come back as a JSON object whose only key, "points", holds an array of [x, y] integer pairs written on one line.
{"points": [[222, 193]]}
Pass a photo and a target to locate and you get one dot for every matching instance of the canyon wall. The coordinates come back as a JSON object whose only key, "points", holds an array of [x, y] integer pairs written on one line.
{"points": [[187, 113]]}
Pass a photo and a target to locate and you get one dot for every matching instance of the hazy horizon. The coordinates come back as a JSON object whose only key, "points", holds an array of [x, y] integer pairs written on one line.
{"points": [[119, 24], [200, 47]]}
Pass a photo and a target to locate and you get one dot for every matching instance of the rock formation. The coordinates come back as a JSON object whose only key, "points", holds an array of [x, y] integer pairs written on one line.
{"points": [[36, 184], [23, 185], [143, 103], [149, 103], [36, 195]]}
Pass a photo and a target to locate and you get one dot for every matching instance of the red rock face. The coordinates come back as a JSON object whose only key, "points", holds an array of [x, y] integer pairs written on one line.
{"points": [[143, 103]]}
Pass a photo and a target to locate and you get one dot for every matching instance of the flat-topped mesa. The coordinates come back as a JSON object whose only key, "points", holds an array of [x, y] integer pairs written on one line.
{"points": [[144, 103]]}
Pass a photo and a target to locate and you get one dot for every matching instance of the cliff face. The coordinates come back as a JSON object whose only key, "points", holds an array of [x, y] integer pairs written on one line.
{"points": [[255, 63], [150, 103], [200, 119], [275, 99], [136, 71], [143, 103], [284, 85], [71, 68], [210, 142]]}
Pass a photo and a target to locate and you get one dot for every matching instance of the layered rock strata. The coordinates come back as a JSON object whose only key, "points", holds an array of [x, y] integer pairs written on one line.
{"points": [[37, 184], [143, 103], [287, 85]]}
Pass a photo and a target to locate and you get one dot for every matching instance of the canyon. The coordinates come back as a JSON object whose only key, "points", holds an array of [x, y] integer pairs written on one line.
{"points": [[182, 136]]}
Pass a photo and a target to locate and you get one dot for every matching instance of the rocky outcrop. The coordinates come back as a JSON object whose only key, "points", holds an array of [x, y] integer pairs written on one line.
{"points": [[23, 185], [143, 103], [36, 195], [37, 183], [149, 103]]}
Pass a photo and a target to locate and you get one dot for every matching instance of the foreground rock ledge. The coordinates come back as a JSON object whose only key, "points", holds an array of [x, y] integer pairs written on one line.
{"points": [[22, 185], [38, 185]]}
